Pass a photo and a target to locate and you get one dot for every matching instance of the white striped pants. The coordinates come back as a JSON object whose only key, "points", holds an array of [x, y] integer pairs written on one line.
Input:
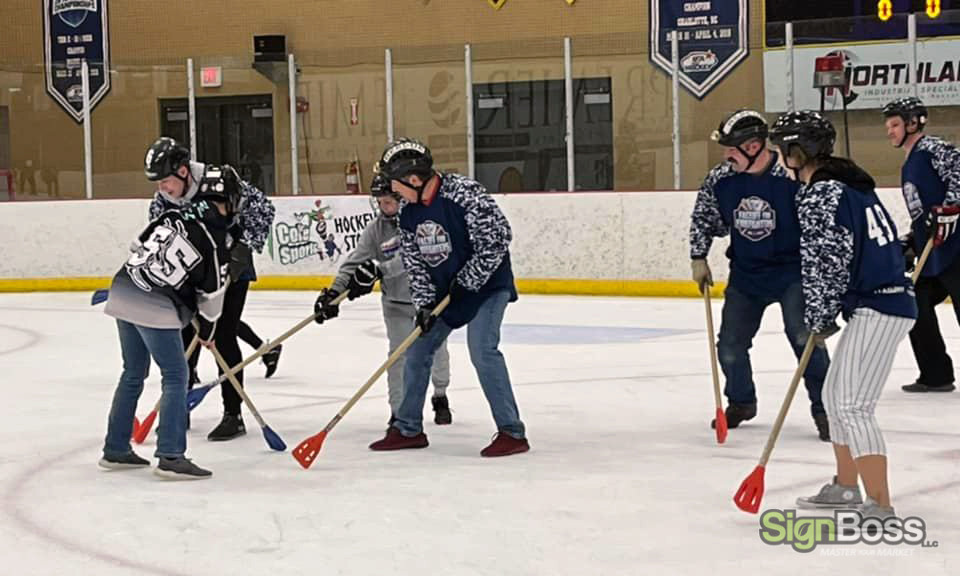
{"points": [[858, 372]]}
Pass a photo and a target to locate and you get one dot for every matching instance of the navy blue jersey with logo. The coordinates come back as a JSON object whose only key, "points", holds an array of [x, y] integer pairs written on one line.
{"points": [[461, 234], [759, 212], [851, 256], [931, 177]]}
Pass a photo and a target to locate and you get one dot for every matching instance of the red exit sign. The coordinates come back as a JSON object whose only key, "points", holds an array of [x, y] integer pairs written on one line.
{"points": [[211, 77]]}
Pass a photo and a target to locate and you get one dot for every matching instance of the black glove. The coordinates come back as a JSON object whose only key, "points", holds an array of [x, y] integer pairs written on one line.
{"points": [[363, 279], [456, 291], [827, 331], [425, 318], [909, 254], [322, 309]]}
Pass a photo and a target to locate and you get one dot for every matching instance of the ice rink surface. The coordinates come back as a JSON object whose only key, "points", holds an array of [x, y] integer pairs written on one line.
{"points": [[624, 476]]}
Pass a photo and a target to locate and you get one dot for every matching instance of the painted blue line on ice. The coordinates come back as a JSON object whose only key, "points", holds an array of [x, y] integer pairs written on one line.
{"points": [[575, 334]]}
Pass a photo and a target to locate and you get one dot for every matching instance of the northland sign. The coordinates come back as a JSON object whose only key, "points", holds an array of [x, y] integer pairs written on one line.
{"points": [[875, 74]]}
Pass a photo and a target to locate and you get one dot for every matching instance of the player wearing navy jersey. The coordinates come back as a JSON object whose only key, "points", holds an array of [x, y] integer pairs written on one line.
{"points": [[454, 242], [750, 197], [930, 180], [167, 163], [852, 266], [176, 271], [377, 257]]}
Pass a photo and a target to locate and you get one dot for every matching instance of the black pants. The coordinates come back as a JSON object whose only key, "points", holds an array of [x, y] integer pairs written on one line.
{"points": [[936, 367], [244, 332], [226, 341]]}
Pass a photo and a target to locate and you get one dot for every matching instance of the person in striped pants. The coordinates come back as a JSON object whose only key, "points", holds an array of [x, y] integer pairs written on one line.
{"points": [[852, 264]]}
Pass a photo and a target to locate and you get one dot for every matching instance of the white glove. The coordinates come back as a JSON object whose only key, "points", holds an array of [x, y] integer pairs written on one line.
{"points": [[701, 273]]}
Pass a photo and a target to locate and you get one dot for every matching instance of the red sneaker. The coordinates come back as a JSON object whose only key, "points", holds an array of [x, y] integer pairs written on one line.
{"points": [[394, 440], [504, 445]]}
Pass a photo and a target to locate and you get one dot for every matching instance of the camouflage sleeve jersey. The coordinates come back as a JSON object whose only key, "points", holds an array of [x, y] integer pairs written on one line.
{"points": [[462, 235], [826, 252], [707, 223], [945, 159], [256, 210], [256, 216], [159, 205]]}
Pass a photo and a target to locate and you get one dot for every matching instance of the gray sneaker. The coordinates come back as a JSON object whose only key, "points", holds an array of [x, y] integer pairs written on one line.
{"points": [[870, 509], [832, 495], [180, 469], [124, 462]]}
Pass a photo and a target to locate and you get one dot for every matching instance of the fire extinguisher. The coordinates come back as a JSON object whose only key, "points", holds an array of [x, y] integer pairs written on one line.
{"points": [[352, 174]]}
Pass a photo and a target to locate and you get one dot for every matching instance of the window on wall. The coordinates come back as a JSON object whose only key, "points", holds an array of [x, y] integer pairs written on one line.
{"points": [[235, 130], [830, 21], [520, 132]]}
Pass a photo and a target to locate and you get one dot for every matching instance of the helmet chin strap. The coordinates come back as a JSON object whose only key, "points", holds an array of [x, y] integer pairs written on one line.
{"points": [[751, 158], [907, 133]]}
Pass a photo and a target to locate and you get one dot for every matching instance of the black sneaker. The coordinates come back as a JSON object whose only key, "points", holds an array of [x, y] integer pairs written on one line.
{"points": [[823, 426], [737, 413], [270, 360], [441, 410], [229, 428], [180, 469], [922, 387], [124, 462]]}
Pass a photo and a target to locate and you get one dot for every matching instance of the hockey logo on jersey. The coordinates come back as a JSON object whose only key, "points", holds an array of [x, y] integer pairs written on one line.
{"points": [[433, 242], [164, 259], [391, 247], [911, 196], [755, 219]]}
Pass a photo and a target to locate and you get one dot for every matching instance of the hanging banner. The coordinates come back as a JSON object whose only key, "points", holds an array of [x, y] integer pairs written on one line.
{"points": [[875, 74], [712, 39], [74, 31]]}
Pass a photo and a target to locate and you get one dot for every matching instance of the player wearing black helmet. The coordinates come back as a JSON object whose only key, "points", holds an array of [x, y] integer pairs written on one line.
{"points": [[179, 183], [454, 242], [377, 257], [930, 180], [750, 197], [852, 266]]}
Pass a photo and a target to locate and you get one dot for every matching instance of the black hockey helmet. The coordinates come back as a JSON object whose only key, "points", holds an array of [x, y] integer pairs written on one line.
{"points": [[739, 127], [907, 108], [164, 157], [404, 157], [380, 186], [808, 130], [220, 184]]}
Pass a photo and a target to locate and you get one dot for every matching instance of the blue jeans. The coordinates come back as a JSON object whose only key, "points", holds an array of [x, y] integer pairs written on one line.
{"points": [[483, 340], [137, 345], [742, 314]]}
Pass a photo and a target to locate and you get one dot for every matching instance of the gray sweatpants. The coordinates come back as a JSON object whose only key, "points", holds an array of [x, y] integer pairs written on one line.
{"points": [[400, 321], [860, 367]]}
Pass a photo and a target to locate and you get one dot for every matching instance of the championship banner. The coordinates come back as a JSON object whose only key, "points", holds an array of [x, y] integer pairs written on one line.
{"points": [[875, 74], [712, 39], [74, 31], [314, 235]]}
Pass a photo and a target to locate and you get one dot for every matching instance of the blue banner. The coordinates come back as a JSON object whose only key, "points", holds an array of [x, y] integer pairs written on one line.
{"points": [[74, 31], [712, 39]]}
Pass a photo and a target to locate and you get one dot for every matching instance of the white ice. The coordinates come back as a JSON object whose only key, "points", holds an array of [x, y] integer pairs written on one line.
{"points": [[624, 475]]}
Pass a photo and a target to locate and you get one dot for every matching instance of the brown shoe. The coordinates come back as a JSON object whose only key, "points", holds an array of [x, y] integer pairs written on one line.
{"points": [[504, 445], [394, 440]]}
